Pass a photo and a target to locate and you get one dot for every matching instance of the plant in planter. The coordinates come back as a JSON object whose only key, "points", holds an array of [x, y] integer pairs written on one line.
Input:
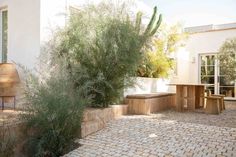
{"points": [[53, 113], [104, 45], [85, 63], [158, 60]]}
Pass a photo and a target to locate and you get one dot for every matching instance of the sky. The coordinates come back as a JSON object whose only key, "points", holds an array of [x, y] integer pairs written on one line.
{"points": [[187, 12], [194, 12]]}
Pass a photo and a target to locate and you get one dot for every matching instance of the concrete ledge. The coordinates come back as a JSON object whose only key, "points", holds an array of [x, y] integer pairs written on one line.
{"points": [[95, 119], [148, 96], [150, 103]]}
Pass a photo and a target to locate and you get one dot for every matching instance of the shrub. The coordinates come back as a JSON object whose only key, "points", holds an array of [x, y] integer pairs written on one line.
{"points": [[53, 114], [158, 60], [227, 58], [99, 49], [155, 65], [106, 45]]}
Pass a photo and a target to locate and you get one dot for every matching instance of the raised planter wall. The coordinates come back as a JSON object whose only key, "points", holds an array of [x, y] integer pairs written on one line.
{"points": [[13, 132], [93, 121], [96, 119]]}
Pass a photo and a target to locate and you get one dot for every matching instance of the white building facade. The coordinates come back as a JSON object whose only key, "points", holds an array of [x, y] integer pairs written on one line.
{"points": [[29, 23], [196, 63], [26, 24], [203, 46]]}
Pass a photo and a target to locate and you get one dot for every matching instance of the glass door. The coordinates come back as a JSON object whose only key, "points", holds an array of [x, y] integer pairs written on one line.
{"points": [[214, 78], [4, 35], [208, 72], [226, 87]]}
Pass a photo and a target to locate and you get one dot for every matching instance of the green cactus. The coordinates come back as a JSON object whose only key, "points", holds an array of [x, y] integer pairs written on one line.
{"points": [[158, 23], [153, 25], [151, 22], [138, 21]]}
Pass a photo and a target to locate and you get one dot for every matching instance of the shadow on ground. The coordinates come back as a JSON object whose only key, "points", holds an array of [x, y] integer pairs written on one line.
{"points": [[226, 119]]}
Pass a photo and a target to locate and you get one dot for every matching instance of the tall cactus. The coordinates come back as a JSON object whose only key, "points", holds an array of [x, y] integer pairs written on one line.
{"points": [[158, 23], [138, 21], [153, 25]]}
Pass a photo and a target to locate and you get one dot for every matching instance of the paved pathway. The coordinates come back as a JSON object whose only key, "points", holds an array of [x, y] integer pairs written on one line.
{"points": [[164, 134]]}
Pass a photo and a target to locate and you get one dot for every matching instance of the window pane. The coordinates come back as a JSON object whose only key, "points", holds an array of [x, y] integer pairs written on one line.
{"points": [[4, 36], [208, 60], [211, 88], [207, 79], [225, 82], [227, 91], [207, 70]]}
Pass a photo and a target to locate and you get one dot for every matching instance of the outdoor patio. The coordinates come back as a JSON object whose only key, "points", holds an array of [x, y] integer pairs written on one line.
{"points": [[167, 133], [117, 78]]}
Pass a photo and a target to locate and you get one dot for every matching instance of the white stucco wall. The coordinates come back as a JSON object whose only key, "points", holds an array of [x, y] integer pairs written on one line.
{"points": [[30, 24], [200, 43], [23, 30], [187, 62]]}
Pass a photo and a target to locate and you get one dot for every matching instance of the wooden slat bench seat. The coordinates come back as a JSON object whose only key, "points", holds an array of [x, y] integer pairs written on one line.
{"points": [[150, 103]]}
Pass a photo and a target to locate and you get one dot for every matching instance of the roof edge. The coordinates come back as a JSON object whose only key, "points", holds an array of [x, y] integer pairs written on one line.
{"points": [[210, 28]]}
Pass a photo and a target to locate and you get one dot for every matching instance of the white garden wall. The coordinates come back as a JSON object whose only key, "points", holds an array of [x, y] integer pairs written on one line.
{"points": [[146, 85]]}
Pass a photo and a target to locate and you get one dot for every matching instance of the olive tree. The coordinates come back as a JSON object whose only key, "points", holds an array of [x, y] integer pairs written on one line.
{"points": [[227, 58]]}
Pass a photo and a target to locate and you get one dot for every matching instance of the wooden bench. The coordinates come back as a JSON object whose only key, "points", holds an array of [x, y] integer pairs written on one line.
{"points": [[150, 103]]}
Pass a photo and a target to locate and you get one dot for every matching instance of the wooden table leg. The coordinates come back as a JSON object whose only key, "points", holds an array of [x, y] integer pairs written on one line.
{"points": [[2, 103], [14, 102], [191, 97], [199, 97], [179, 98]]}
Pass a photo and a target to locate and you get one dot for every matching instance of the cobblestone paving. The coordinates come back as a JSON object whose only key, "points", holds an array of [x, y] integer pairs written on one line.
{"points": [[8, 117], [164, 134]]}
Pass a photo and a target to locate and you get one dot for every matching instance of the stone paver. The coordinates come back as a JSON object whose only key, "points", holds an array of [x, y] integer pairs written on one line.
{"points": [[8, 117], [166, 134]]}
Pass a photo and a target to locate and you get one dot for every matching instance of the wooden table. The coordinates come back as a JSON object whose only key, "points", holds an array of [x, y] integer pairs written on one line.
{"points": [[189, 96]]}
